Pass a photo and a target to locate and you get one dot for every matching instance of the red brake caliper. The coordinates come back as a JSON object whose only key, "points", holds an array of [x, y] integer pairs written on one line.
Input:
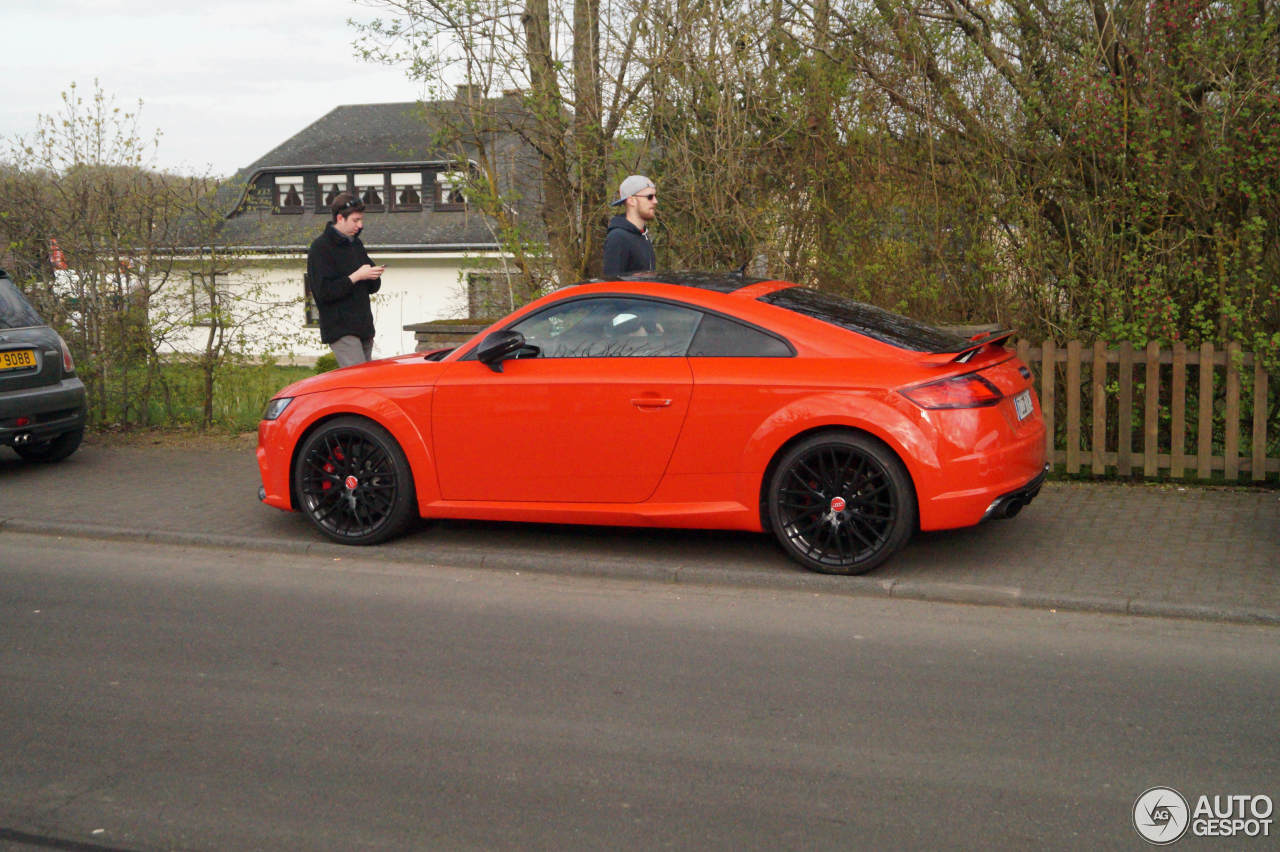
{"points": [[329, 468]]}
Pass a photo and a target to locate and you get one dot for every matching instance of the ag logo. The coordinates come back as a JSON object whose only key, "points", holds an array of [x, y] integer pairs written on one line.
{"points": [[1161, 816]]}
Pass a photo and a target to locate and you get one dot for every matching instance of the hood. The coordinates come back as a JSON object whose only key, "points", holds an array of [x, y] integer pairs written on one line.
{"points": [[621, 223], [413, 370]]}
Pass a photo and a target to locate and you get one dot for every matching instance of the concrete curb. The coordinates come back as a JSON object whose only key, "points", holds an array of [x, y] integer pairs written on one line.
{"points": [[627, 569]]}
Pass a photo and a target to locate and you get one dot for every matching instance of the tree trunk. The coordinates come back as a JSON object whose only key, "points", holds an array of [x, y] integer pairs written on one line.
{"points": [[550, 138], [588, 133]]}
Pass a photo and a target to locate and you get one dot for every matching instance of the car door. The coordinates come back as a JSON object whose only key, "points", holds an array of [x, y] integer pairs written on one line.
{"points": [[741, 377], [593, 418]]}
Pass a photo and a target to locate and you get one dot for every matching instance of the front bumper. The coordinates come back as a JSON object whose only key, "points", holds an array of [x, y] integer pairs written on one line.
{"points": [[274, 455]]}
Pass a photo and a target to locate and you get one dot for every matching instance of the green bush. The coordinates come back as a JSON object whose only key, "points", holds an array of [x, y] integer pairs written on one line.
{"points": [[240, 394]]}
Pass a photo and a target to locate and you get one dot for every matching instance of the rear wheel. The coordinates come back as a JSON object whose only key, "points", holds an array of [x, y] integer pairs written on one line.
{"points": [[841, 503], [353, 482], [53, 450]]}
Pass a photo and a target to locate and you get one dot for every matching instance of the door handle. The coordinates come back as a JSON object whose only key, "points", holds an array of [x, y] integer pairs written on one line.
{"points": [[650, 402]]}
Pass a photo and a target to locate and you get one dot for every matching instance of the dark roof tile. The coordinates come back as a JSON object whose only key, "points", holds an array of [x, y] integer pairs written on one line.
{"points": [[389, 136]]}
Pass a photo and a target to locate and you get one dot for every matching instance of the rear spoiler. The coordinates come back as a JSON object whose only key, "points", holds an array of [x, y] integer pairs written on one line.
{"points": [[979, 341]]}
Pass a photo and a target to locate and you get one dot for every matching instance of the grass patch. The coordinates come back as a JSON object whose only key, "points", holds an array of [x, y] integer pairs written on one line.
{"points": [[176, 398]]}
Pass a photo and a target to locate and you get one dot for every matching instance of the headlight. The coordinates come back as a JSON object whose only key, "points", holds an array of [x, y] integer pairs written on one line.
{"points": [[276, 407]]}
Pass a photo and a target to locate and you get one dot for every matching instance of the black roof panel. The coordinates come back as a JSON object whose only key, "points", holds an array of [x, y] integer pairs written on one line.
{"points": [[874, 322], [721, 282]]}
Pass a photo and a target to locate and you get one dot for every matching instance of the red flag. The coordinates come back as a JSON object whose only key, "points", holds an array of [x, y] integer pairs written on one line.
{"points": [[56, 257]]}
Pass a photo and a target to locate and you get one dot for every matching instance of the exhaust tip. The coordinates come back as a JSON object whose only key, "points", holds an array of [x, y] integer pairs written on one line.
{"points": [[1005, 507]]}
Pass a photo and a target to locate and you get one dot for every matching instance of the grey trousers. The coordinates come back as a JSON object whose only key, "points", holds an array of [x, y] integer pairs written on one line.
{"points": [[352, 350]]}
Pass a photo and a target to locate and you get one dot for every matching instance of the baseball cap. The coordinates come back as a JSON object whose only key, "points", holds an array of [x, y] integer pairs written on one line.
{"points": [[630, 186]]}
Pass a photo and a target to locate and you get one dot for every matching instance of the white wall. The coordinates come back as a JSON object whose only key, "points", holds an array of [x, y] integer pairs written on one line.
{"points": [[416, 288]]}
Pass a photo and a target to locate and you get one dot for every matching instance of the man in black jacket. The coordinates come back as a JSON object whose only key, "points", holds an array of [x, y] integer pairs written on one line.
{"points": [[341, 277], [627, 247]]}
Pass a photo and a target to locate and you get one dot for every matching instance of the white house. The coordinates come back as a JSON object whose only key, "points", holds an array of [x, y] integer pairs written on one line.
{"points": [[442, 256]]}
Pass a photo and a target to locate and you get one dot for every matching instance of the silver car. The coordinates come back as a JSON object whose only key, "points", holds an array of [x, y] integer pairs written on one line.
{"points": [[42, 402]]}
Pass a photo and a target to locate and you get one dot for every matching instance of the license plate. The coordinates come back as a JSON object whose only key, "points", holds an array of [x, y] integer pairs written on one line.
{"points": [[17, 359], [1022, 404]]}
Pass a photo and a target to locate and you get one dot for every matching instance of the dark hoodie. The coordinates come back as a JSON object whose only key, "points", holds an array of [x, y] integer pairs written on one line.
{"points": [[627, 249]]}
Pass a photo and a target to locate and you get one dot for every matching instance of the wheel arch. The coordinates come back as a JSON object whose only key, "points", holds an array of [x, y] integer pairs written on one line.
{"points": [[402, 430], [301, 440], [834, 429], [364, 513]]}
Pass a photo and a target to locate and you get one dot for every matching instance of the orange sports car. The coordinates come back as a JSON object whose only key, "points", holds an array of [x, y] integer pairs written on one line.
{"points": [[672, 400]]}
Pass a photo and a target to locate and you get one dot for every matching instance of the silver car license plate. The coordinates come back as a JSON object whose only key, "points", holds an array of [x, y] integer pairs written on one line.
{"points": [[1022, 404]]}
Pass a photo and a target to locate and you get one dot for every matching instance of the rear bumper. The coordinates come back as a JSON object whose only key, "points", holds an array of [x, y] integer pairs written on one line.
{"points": [[1008, 505], [48, 411], [1008, 464]]}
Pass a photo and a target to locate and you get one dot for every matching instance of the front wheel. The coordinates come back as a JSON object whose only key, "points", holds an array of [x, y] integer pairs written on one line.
{"points": [[353, 482], [841, 503]]}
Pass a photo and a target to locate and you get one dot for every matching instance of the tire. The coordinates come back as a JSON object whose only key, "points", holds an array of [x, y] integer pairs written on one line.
{"points": [[353, 482], [841, 503], [53, 450]]}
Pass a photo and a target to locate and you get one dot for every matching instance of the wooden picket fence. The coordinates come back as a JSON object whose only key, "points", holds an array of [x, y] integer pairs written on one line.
{"points": [[1179, 431]]}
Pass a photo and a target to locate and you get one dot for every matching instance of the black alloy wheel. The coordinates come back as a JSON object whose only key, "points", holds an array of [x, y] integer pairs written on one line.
{"points": [[352, 481], [841, 503]]}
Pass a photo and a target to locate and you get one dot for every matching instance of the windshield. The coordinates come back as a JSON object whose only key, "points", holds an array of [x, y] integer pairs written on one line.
{"points": [[15, 311], [876, 323]]}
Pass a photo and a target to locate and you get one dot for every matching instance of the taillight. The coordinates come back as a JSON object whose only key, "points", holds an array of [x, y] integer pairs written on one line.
{"points": [[68, 365], [967, 391]]}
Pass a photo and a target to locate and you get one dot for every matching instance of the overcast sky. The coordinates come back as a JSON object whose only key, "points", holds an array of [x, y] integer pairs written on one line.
{"points": [[225, 81]]}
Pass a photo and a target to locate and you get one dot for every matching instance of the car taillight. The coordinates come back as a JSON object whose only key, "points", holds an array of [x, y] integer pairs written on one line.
{"points": [[68, 365], [967, 391]]}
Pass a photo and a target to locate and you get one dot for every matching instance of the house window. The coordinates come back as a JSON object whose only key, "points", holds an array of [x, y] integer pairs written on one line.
{"points": [[372, 190], [489, 295], [406, 190], [206, 299], [289, 194], [450, 191], [310, 313], [330, 186]]}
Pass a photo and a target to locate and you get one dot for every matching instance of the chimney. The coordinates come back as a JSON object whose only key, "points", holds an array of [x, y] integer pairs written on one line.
{"points": [[469, 93]]}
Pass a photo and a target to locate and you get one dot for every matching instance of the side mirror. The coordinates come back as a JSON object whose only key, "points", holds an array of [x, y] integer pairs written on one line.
{"points": [[499, 346]]}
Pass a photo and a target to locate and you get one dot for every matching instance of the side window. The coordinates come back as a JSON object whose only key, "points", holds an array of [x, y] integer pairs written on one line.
{"points": [[490, 294], [289, 194], [328, 187], [450, 191], [406, 190], [611, 327], [310, 313], [371, 188], [719, 337]]}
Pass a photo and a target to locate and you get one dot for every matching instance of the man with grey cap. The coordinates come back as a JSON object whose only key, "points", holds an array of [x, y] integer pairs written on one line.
{"points": [[627, 247]]}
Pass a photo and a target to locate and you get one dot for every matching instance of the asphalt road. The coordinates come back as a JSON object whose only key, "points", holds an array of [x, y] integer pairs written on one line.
{"points": [[156, 697]]}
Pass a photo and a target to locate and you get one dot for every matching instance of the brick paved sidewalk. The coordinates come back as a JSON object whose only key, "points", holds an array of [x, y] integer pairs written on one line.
{"points": [[1207, 547], [1208, 552]]}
